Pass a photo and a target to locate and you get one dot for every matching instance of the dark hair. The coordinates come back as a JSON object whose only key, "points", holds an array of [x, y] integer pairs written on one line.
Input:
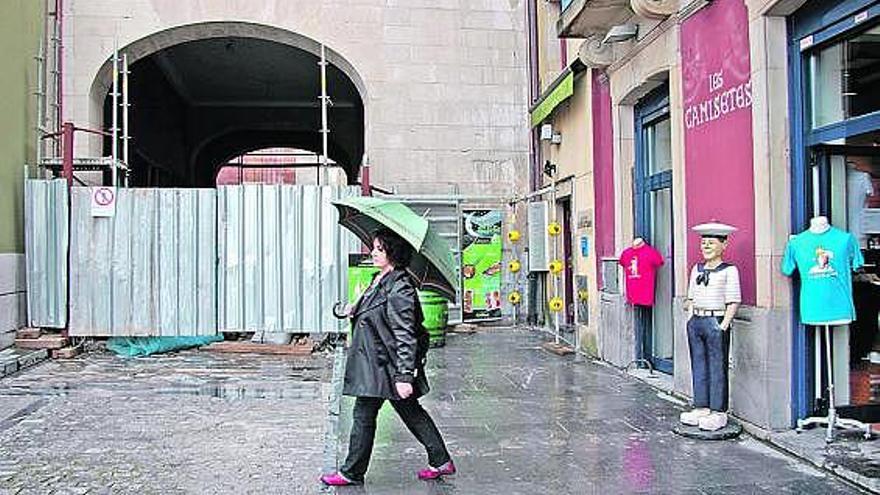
{"points": [[398, 251]]}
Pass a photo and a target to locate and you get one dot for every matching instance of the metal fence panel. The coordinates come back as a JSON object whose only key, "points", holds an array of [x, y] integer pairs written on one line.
{"points": [[149, 269], [283, 258], [445, 216], [46, 243]]}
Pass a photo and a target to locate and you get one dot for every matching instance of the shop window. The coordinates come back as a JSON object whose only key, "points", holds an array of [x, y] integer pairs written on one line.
{"points": [[846, 188], [610, 281], [842, 79], [658, 146]]}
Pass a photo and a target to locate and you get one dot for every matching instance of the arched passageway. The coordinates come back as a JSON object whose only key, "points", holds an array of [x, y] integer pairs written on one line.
{"points": [[197, 103]]}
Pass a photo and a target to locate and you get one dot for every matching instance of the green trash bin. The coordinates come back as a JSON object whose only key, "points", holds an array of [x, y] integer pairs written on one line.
{"points": [[436, 312], [360, 275]]}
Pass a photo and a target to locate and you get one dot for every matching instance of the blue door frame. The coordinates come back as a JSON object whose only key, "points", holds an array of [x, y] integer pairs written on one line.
{"points": [[815, 25], [650, 109]]}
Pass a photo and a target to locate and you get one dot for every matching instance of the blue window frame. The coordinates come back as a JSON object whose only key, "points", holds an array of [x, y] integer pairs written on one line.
{"points": [[816, 25], [653, 108], [651, 112]]}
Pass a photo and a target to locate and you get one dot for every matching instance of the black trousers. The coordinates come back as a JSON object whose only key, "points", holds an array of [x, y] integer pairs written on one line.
{"points": [[363, 431]]}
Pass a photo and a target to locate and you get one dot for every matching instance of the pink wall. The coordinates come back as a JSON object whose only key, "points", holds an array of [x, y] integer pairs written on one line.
{"points": [[236, 174], [603, 168], [718, 131]]}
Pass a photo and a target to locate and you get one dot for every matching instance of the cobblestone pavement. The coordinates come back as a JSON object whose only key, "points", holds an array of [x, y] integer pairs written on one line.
{"points": [[517, 420]]}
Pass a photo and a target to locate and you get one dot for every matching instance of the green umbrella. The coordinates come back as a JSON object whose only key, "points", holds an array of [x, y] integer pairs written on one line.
{"points": [[432, 265]]}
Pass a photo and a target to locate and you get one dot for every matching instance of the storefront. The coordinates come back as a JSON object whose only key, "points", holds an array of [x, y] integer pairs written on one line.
{"points": [[834, 50], [691, 145], [561, 117]]}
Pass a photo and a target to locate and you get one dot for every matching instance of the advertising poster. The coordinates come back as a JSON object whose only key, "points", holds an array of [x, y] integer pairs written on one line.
{"points": [[481, 264]]}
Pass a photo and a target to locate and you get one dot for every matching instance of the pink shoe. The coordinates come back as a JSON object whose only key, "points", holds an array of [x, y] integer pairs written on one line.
{"points": [[432, 473], [337, 479]]}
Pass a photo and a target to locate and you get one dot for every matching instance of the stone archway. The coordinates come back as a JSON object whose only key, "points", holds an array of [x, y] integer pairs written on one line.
{"points": [[194, 84]]}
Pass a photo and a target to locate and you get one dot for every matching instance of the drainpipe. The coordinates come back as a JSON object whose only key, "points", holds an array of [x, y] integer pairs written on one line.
{"points": [[67, 152], [59, 57], [534, 142], [365, 177], [563, 53], [534, 88]]}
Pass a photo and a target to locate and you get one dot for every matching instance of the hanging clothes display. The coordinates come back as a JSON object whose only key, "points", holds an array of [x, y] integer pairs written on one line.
{"points": [[640, 263], [825, 261]]}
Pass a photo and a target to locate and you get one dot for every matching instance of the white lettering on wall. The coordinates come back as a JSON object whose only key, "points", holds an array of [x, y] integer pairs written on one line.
{"points": [[719, 104]]}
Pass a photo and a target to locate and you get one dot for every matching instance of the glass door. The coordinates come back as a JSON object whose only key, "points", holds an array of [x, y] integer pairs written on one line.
{"points": [[845, 187], [654, 223], [661, 314]]}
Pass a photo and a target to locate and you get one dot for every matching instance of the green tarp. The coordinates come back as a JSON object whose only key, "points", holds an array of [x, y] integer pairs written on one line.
{"points": [[145, 346]]}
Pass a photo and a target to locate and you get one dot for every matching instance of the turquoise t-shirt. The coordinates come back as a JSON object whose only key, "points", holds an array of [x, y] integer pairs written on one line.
{"points": [[826, 262]]}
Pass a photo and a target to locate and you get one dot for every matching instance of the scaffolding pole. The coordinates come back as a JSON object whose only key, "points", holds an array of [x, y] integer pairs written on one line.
{"points": [[59, 71], [325, 131], [125, 105], [114, 132], [40, 94]]}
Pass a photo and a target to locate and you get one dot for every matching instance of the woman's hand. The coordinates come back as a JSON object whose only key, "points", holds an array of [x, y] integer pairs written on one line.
{"points": [[404, 390]]}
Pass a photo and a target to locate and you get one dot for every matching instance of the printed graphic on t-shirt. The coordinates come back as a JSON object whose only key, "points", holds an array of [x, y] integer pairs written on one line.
{"points": [[823, 267], [634, 268]]}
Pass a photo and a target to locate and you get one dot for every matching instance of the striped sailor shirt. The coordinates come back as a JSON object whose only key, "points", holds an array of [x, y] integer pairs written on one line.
{"points": [[714, 289]]}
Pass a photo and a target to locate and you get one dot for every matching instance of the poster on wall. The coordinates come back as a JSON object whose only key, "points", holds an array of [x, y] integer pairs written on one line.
{"points": [[717, 93], [481, 264]]}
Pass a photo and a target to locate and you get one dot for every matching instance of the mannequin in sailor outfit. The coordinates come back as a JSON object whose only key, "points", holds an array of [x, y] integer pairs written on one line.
{"points": [[713, 297]]}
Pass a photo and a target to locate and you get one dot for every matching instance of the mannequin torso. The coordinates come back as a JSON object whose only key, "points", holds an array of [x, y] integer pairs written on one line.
{"points": [[819, 225]]}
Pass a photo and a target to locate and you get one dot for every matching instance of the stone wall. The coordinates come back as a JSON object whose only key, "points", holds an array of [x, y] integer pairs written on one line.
{"points": [[445, 82]]}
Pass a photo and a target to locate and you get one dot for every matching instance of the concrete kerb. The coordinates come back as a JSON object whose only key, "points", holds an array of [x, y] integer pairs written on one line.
{"points": [[848, 476], [14, 361]]}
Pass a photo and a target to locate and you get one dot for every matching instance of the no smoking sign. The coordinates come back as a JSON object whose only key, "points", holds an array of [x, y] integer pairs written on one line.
{"points": [[103, 201]]}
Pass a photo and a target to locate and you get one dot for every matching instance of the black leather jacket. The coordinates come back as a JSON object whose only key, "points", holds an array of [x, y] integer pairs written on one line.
{"points": [[388, 341]]}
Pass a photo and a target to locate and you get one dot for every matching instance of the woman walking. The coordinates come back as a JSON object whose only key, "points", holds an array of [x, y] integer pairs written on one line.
{"points": [[386, 361]]}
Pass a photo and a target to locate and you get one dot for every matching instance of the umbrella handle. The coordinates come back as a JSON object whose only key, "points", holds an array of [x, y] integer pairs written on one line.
{"points": [[336, 312]]}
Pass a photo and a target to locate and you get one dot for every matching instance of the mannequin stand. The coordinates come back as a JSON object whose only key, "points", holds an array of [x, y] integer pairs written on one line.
{"points": [[832, 421]]}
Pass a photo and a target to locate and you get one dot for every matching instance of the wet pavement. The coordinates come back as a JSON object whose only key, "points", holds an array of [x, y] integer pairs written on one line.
{"points": [[190, 422], [517, 420]]}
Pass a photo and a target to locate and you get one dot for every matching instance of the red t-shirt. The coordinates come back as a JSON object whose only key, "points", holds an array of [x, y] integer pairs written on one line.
{"points": [[640, 266]]}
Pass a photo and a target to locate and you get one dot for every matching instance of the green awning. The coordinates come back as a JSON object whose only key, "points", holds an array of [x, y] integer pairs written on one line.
{"points": [[560, 91]]}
